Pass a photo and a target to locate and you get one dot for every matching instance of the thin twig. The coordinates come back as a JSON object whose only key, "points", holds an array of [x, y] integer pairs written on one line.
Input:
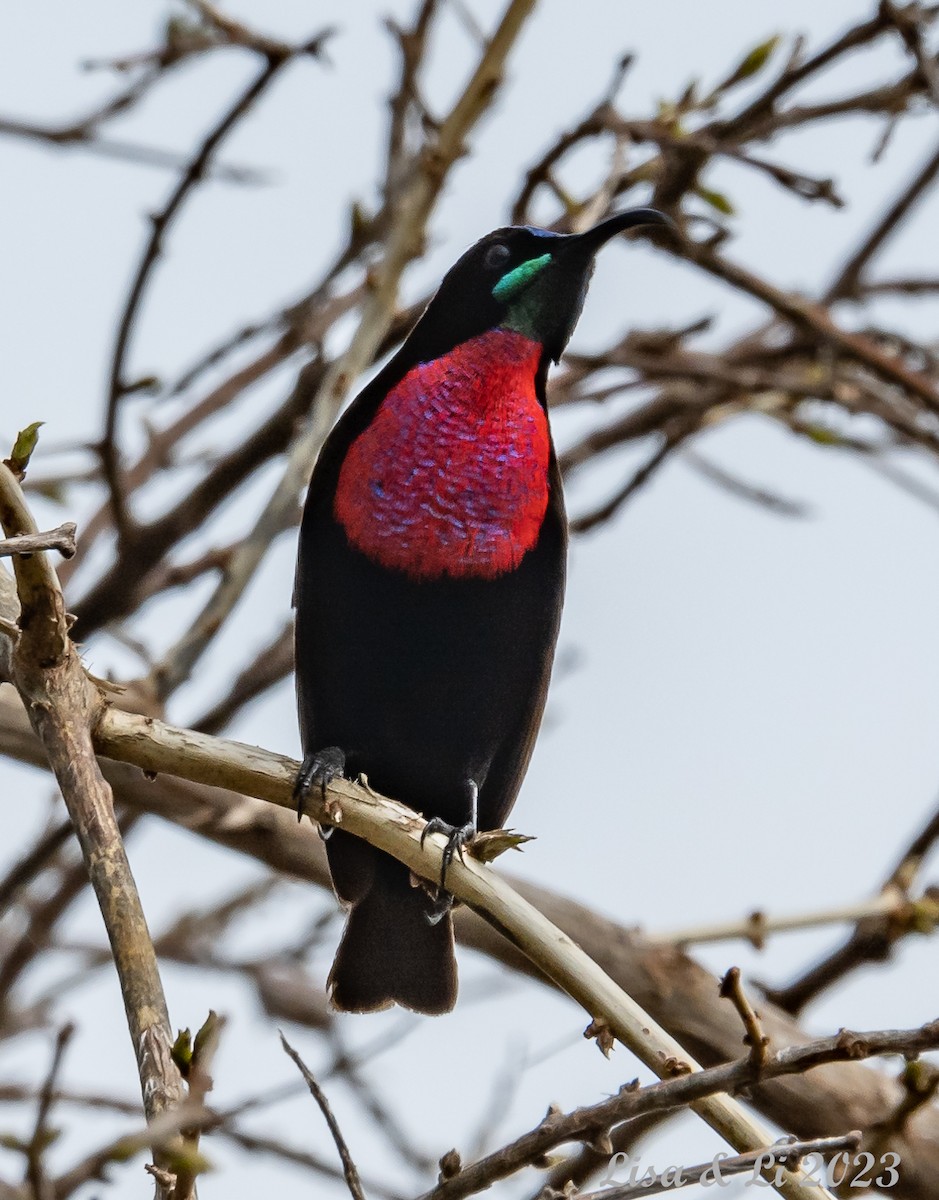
{"points": [[62, 538], [732, 989], [638, 479], [22, 873], [45, 912], [270, 665], [385, 1120], [191, 177], [849, 282], [632, 1101], [258, 1143], [755, 927], [80, 136], [780, 505], [349, 1170], [888, 916], [413, 206], [36, 1146], [161, 1131]]}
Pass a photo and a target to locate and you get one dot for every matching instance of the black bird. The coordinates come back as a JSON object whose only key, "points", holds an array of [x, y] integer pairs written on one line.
{"points": [[429, 587]]}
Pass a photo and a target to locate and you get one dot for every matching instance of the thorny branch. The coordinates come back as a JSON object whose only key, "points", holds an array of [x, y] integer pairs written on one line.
{"points": [[62, 703], [289, 847], [154, 746], [894, 913], [592, 1122], [276, 56]]}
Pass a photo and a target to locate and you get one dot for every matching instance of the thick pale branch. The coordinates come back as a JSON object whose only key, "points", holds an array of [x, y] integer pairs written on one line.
{"points": [[829, 1100], [155, 746], [631, 1102], [63, 705]]}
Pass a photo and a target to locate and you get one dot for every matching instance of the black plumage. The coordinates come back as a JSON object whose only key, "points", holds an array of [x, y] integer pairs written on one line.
{"points": [[432, 681]]}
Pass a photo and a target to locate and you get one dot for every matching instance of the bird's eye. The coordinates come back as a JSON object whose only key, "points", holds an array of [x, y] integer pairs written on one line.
{"points": [[497, 255]]}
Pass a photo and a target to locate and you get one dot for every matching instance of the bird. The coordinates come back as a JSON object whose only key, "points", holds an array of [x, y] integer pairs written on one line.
{"points": [[429, 586]]}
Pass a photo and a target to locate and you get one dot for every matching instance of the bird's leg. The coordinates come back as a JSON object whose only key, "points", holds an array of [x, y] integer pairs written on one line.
{"points": [[318, 769], [457, 837]]}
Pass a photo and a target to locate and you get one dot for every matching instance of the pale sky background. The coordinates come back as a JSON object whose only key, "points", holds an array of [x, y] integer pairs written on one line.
{"points": [[752, 718]]}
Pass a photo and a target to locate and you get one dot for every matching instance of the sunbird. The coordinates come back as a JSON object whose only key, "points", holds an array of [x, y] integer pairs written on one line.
{"points": [[429, 586]]}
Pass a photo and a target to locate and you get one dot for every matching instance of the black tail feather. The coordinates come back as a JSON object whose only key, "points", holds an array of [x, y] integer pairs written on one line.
{"points": [[391, 954]]}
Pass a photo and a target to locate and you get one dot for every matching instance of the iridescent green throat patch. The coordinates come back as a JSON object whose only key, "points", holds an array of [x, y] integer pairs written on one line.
{"points": [[509, 284]]}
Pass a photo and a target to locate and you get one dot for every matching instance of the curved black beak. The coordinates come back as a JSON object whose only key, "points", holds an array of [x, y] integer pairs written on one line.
{"points": [[590, 241]]}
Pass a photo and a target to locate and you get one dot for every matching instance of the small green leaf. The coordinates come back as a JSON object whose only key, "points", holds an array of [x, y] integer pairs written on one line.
{"points": [[925, 915], [48, 1136], [124, 1150], [207, 1035], [189, 1160], [716, 200], [752, 62], [23, 448], [689, 97], [758, 57], [52, 490], [823, 436], [182, 1051], [360, 223]]}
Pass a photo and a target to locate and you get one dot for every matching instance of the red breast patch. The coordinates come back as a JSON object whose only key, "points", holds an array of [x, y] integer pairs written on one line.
{"points": [[450, 478]]}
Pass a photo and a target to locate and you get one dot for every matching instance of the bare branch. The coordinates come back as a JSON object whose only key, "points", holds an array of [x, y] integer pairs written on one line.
{"points": [[25, 869], [412, 209], [632, 485], [732, 989], [394, 828], [758, 925], [118, 386], [62, 705], [35, 1171], [889, 916], [68, 137], [689, 1006], [62, 538], [349, 1169], [848, 283], [632, 1101]]}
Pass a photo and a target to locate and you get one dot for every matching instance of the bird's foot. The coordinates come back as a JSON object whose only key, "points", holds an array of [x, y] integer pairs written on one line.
{"points": [[458, 836], [440, 905], [318, 769]]}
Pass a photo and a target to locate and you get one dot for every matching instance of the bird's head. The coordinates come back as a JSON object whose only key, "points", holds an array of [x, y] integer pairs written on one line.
{"points": [[528, 280]]}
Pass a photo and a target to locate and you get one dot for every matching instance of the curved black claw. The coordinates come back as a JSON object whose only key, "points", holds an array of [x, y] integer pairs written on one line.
{"points": [[318, 770], [457, 837], [439, 907]]}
